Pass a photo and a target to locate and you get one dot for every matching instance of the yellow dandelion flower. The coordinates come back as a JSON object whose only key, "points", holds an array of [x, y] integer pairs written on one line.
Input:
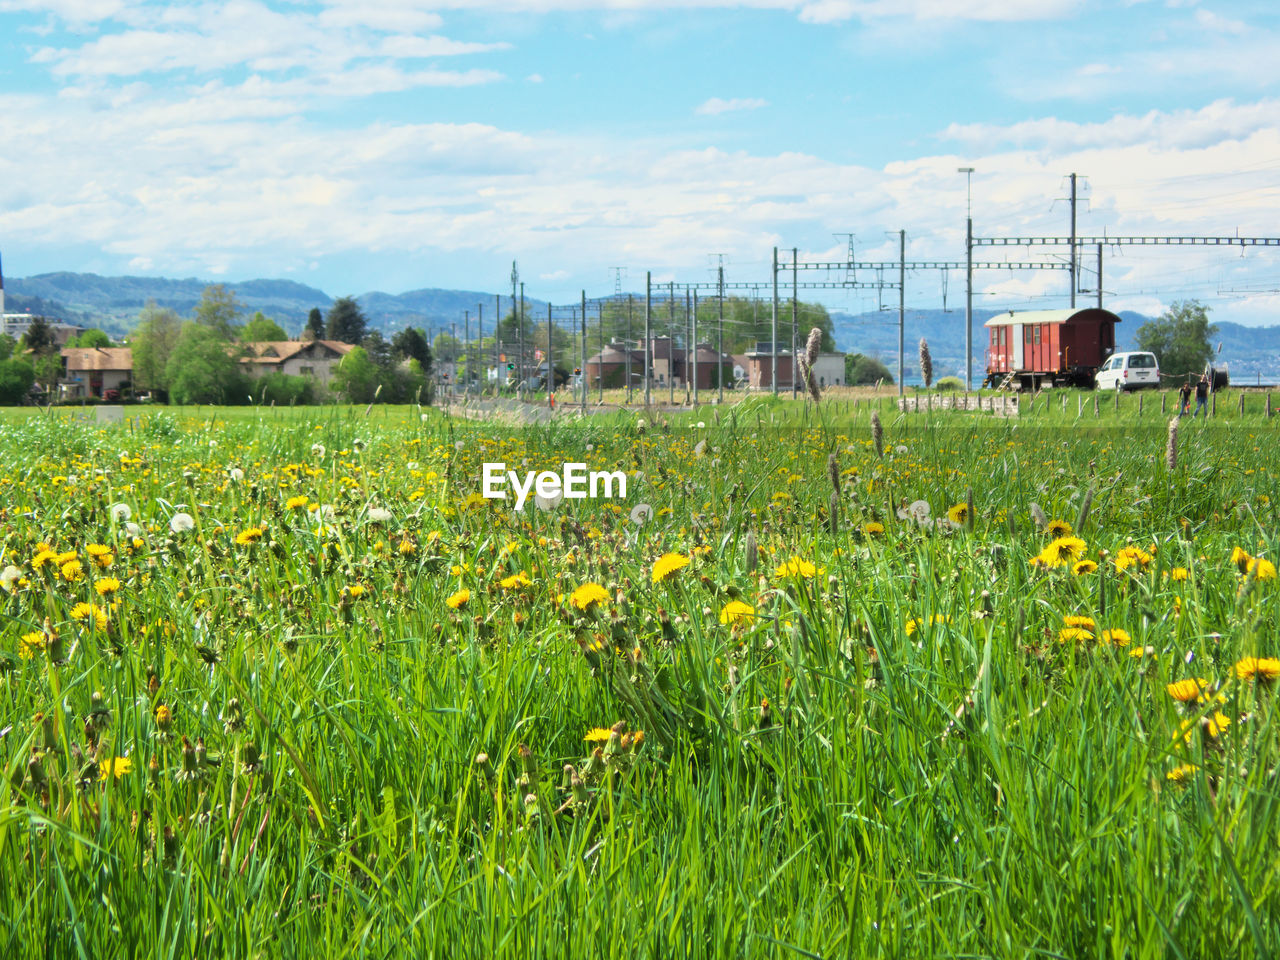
{"points": [[1185, 691], [1077, 621], [115, 767], [85, 612], [1117, 636], [42, 557], [668, 565], [796, 567], [588, 595], [248, 535], [357, 590], [516, 581], [31, 644], [407, 548], [1057, 529], [873, 528], [101, 554], [1216, 724], [1241, 558], [1083, 567], [736, 611], [1061, 552], [1261, 568], [458, 599], [107, 586], [1073, 634], [959, 513], [1266, 669], [1182, 774], [1129, 557], [297, 503], [598, 735], [1178, 574]]}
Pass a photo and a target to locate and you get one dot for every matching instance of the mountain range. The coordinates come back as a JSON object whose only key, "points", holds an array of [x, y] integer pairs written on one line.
{"points": [[112, 305]]}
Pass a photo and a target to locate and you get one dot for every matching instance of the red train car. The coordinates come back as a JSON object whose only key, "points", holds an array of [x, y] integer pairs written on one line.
{"points": [[1058, 347]]}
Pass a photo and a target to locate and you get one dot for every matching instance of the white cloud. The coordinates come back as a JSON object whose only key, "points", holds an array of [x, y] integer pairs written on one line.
{"points": [[533, 78], [405, 47], [715, 105], [555, 275]]}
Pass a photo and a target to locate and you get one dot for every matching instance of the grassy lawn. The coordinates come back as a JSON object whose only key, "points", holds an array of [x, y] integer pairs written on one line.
{"points": [[282, 683]]}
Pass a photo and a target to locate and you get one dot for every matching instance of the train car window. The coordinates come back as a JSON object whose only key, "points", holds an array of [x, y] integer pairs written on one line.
{"points": [[1037, 336]]}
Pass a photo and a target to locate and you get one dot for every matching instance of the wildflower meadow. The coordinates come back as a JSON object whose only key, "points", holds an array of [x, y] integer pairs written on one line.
{"points": [[829, 681]]}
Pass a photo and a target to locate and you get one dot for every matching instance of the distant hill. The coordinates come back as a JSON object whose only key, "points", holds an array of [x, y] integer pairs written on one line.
{"points": [[1251, 353], [112, 303]]}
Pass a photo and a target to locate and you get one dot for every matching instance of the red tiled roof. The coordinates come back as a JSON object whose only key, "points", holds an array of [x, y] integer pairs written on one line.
{"points": [[98, 358]]}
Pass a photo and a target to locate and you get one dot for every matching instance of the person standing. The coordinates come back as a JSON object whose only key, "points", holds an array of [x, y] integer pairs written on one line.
{"points": [[1184, 398], [1202, 397]]}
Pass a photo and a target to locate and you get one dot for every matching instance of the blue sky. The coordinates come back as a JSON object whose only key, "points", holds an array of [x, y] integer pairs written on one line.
{"points": [[401, 144]]}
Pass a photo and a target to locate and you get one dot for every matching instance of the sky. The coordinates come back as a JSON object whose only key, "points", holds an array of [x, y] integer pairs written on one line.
{"points": [[395, 144]]}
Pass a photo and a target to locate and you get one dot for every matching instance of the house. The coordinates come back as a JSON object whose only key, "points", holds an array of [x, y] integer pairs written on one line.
{"points": [[667, 363], [828, 369], [92, 371], [296, 358]]}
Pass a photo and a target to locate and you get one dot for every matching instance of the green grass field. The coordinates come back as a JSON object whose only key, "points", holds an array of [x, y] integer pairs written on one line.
{"points": [[281, 683]]}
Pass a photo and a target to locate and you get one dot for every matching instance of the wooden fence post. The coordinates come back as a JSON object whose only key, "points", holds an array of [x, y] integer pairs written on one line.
{"points": [[1164, 396]]}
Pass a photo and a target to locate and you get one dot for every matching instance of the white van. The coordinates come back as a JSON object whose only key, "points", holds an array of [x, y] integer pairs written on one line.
{"points": [[1128, 371]]}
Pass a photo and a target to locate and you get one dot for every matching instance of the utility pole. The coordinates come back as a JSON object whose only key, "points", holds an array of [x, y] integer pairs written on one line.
{"points": [[671, 341], [648, 332], [600, 365], [551, 367], [795, 310], [583, 384], [720, 335], [520, 343], [1099, 276], [453, 346], [497, 345], [1072, 250], [968, 278], [629, 343], [690, 359], [773, 345], [695, 346], [480, 343], [902, 301], [515, 280]]}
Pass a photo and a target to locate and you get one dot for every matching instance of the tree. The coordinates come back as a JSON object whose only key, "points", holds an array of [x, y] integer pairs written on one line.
{"points": [[346, 323], [153, 340], [92, 337], [219, 310], [7, 346], [46, 358], [16, 378], [262, 327], [202, 369], [39, 338], [411, 344], [356, 377], [1179, 338], [860, 370], [378, 349], [314, 329]]}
